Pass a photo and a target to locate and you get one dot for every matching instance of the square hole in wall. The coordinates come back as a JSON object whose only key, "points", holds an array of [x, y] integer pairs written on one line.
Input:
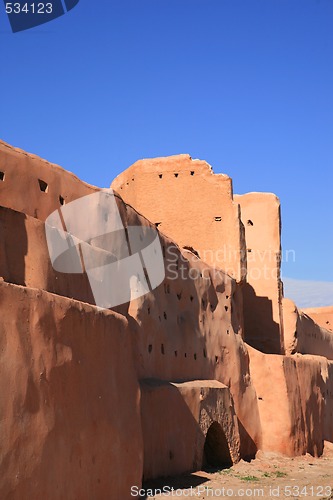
{"points": [[2, 176], [43, 186]]}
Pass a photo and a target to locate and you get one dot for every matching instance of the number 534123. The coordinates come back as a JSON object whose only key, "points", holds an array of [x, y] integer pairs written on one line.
{"points": [[29, 8]]}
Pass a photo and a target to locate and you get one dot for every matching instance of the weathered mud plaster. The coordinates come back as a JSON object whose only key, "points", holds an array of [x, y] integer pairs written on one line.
{"points": [[89, 395]]}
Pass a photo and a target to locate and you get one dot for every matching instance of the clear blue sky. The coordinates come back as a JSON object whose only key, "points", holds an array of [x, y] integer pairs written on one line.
{"points": [[245, 84]]}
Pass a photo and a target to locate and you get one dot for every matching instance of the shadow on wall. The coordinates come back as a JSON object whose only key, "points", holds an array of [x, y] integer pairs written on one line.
{"points": [[247, 443], [305, 387], [173, 439], [237, 319], [261, 331], [13, 244]]}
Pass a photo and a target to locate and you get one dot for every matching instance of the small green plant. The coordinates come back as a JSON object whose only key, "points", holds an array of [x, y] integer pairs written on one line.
{"points": [[249, 478], [266, 474], [279, 473]]}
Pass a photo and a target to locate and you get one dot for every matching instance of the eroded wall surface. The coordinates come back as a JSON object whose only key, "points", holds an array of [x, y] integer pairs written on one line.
{"points": [[327, 376], [69, 406], [291, 399], [187, 333], [262, 293], [188, 329], [323, 316], [197, 209], [303, 335], [35, 186], [191, 205]]}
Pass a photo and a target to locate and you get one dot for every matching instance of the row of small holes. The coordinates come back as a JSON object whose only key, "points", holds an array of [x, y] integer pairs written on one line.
{"points": [[179, 296], [127, 184], [150, 349], [164, 314], [203, 303], [161, 177], [43, 186], [175, 174]]}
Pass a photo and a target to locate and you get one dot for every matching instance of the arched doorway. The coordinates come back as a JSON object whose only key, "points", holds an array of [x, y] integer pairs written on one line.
{"points": [[216, 449]]}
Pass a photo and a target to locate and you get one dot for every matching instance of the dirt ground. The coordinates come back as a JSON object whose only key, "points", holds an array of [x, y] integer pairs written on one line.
{"points": [[268, 476]]}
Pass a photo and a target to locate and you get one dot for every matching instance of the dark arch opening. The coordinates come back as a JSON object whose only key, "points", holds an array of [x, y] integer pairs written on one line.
{"points": [[216, 449]]}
